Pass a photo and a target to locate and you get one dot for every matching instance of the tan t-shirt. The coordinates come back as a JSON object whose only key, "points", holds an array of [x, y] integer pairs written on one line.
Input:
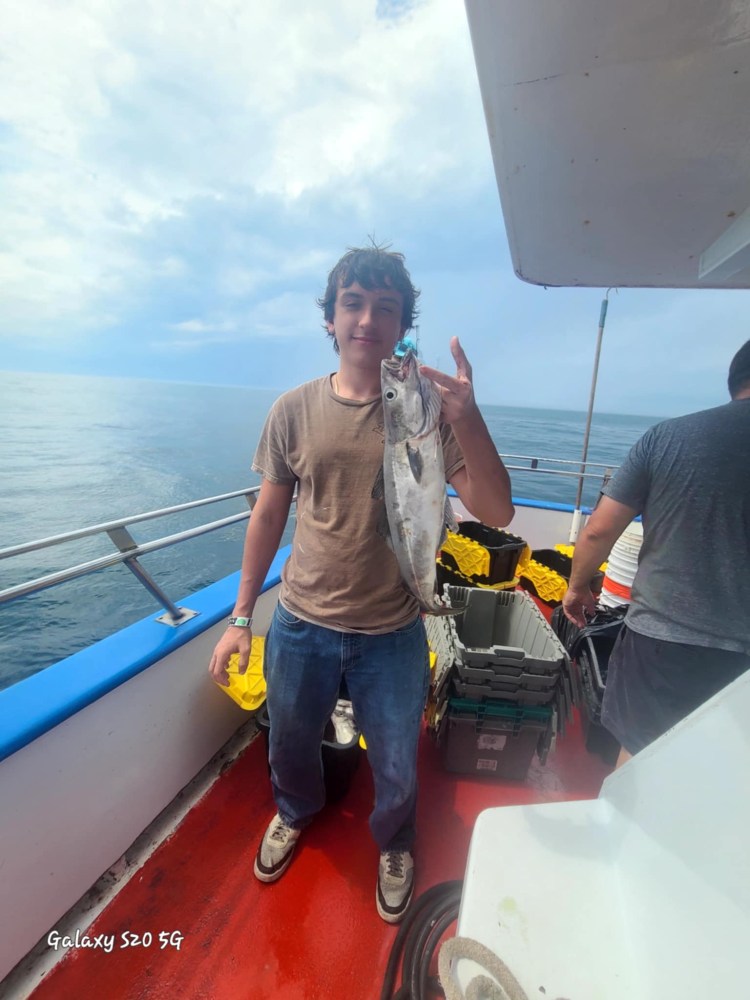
{"points": [[341, 573]]}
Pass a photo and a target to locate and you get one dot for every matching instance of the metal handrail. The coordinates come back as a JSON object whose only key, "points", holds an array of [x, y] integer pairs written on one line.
{"points": [[562, 461], [83, 569], [122, 522], [129, 550], [580, 474], [556, 472]]}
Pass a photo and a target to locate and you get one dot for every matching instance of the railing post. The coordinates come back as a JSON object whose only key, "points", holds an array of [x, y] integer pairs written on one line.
{"points": [[175, 616]]}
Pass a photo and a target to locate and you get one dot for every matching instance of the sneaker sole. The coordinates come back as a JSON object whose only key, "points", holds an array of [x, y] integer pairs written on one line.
{"points": [[392, 916], [272, 874]]}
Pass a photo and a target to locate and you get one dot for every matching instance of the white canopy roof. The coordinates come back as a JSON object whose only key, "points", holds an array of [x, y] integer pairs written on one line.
{"points": [[620, 134]]}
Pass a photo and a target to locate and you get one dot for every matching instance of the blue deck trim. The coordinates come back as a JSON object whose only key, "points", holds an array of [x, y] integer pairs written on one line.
{"points": [[567, 508], [38, 703]]}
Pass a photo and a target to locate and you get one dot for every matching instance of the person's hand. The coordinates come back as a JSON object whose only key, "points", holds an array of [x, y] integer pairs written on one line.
{"points": [[458, 392], [235, 640], [577, 603]]}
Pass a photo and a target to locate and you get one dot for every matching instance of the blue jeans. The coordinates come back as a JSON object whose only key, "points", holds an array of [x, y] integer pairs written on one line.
{"points": [[387, 678]]}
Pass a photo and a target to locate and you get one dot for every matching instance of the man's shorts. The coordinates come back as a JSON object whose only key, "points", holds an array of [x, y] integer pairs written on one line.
{"points": [[653, 684]]}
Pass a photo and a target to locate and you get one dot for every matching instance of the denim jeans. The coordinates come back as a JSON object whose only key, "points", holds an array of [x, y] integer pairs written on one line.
{"points": [[387, 678]]}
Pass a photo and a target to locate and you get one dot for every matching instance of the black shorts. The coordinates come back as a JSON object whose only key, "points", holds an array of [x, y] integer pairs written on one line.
{"points": [[652, 684]]}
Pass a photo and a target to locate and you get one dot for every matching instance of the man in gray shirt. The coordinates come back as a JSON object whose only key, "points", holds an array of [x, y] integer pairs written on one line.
{"points": [[687, 631]]}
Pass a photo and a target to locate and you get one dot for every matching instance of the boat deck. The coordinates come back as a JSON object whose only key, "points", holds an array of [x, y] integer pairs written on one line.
{"points": [[315, 934]]}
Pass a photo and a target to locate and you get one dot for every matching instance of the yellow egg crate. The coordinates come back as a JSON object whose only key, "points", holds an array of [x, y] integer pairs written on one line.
{"points": [[470, 565], [248, 689], [568, 550], [473, 561], [549, 585], [471, 558]]}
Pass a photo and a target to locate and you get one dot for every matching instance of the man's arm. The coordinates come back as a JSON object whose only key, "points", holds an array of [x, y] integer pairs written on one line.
{"points": [[264, 531], [483, 483], [602, 530]]}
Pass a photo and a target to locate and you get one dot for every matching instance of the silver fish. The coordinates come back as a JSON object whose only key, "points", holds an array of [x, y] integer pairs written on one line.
{"points": [[416, 501]]}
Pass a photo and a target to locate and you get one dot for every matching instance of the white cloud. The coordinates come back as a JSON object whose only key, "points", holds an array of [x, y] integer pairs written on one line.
{"points": [[280, 316], [203, 326], [121, 117], [170, 267]]}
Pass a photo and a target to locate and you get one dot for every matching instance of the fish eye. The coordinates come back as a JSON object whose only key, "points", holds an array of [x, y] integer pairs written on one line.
{"points": [[390, 394]]}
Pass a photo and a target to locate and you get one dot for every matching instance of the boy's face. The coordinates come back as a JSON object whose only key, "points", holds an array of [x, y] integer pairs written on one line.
{"points": [[366, 324]]}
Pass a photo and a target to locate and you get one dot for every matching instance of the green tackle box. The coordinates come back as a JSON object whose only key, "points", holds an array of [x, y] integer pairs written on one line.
{"points": [[492, 740]]}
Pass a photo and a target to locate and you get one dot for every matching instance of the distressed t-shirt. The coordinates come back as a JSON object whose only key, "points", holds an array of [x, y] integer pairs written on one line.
{"points": [[690, 478], [341, 574]]}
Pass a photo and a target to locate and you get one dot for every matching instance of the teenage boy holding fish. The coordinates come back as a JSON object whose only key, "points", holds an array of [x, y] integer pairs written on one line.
{"points": [[344, 610]]}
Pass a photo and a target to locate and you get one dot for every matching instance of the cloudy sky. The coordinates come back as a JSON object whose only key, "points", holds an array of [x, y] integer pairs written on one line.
{"points": [[178, 178]]}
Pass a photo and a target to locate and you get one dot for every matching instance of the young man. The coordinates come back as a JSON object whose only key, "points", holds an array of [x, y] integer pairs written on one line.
{"points": [[344, 612], [687, 631]]}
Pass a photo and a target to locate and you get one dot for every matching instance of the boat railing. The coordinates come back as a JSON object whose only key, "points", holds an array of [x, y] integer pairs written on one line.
{"points": [[128, 550], [534, 466]]}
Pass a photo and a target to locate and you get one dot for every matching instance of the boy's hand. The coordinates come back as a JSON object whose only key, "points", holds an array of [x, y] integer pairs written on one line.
{"points": [[458, 392], [235, 640]]}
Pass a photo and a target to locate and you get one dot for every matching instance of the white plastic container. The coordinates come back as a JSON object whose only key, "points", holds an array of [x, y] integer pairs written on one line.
{"points": [[622, 566]]}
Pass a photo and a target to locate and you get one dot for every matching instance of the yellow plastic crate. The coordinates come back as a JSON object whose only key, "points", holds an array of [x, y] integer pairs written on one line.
{"points": [[568, 550], [472, 558], [248, 689], [549, 585]]}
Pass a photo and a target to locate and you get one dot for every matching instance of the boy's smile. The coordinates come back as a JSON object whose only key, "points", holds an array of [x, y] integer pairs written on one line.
{"points": [[366, 324]]}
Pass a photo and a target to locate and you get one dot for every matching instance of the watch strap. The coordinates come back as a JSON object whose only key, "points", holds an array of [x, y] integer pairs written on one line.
{"points": [[241, 622]]}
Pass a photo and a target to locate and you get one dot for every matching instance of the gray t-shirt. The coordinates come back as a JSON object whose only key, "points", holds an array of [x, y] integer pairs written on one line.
{"points": [[690, 479]]}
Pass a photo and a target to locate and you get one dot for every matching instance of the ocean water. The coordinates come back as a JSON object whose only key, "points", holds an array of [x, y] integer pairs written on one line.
{"points": [[79, 450]]}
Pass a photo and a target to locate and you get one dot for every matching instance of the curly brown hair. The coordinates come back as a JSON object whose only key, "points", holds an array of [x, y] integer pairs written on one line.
{"points": [[371, 267]]}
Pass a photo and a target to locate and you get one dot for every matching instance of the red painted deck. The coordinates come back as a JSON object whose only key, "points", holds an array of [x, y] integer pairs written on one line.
{"points": [[315, 934]]}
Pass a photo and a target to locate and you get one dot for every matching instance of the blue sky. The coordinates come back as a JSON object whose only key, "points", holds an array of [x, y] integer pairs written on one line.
{"points": [[177, 181]]}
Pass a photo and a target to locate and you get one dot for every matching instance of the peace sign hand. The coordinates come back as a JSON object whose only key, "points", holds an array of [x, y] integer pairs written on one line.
{"points": [[458, 392]]}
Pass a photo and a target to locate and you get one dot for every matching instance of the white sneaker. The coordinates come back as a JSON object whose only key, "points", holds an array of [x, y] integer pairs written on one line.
{"points": [[343, 722], [276, 850], [395, 884]]}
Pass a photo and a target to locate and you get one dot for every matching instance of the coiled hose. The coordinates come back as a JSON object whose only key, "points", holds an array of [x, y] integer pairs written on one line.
{"points": [[419, 935]]}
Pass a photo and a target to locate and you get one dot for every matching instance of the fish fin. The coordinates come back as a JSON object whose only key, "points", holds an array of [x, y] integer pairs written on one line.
{"points": [[433, 401], [416, 463], [378, 487]]}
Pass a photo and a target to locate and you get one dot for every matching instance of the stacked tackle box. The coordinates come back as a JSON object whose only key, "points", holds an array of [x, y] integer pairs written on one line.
{"points": [[502, 686]]}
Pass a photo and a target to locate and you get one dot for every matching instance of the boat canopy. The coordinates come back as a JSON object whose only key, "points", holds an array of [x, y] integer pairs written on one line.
{"points": [[619, 134]]}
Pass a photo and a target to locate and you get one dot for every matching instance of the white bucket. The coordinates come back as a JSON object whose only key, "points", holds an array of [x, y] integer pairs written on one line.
{"points": [[622, 566]]}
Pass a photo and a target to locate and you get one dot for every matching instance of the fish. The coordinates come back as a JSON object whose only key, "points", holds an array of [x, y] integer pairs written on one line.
{"points": [[417, 508]]}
